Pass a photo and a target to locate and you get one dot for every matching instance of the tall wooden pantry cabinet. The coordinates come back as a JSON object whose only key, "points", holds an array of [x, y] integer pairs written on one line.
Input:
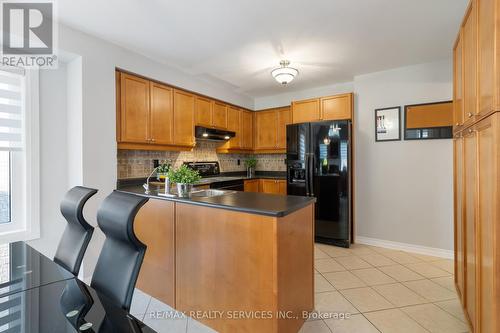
{"points": [[476, 102]]}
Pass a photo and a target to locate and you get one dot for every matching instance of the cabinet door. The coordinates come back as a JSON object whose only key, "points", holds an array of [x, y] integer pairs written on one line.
{"points": [[282, 187], [270, 186], [470, 64], [252, 185], [233, 125], [458, 111], [488, 69], [162, 113], [488, 304], [134, 109], [305, 111], [203, 111], [183, 118], [219, 115], [246, 129], [337, 107], [265, 129], [284, 118], [470, 200], [458, 146]]}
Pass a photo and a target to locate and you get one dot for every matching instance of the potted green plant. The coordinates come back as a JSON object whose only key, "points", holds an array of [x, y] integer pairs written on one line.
{"points": [[184, 177], [251, 163]]}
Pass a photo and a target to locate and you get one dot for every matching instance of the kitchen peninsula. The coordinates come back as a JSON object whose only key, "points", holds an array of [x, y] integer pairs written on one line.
{"points": [[239, 262]]}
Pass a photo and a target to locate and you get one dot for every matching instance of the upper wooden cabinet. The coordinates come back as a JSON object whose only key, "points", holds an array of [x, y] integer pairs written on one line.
{"points": [[470, 64], [162, 114], [203, 111], [184, 103], [209, 113], [488, 25], [270, 129], [284, 118], [219, 115], [306, 111], [134, 109], [458, 109], [233, 125], [246, 129], [336, 107]]}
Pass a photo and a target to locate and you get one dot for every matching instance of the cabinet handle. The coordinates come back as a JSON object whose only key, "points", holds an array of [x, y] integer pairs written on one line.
{"points": [[469, 114], [153, 140], [470, 130]]}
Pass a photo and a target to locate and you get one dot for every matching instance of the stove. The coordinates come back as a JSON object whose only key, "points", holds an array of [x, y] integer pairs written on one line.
{"points": [[210, 171]]}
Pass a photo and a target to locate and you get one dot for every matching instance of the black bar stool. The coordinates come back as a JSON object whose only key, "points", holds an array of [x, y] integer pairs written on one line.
{"points": [[122, 254], [78, 231]]}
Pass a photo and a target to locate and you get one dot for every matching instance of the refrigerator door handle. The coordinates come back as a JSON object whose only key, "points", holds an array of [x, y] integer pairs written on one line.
{"points": [[307, 174], [311, 174]]}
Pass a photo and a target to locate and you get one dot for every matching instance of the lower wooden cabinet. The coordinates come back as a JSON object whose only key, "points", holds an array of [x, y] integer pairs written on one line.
{"points": [[272, 186], [477, 222], [252, 185]]}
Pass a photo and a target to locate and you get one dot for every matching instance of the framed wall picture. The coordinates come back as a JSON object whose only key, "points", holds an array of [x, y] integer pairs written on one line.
{"points": [[428, 121], [388, 124]]}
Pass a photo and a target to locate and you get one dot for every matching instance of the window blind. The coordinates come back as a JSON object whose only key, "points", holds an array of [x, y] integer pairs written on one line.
{"points": [[11, 109]]}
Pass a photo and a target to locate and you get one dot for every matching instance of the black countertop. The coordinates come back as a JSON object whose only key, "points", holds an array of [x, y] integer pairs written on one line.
{"points": [[248, 202], [242, 175]]}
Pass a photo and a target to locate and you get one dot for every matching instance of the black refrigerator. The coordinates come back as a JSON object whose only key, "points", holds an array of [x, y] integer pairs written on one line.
{"points": [[319, 165]]}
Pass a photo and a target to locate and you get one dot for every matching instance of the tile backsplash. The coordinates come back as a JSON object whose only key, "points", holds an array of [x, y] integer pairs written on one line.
{"points": [[139, 163]]}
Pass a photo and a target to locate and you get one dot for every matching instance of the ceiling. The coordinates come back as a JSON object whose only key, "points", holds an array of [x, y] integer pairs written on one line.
{"points": [[238, 42]]}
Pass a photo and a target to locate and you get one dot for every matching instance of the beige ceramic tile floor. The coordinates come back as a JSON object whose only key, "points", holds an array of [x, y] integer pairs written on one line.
{"points": [[385, 291], [381, 290]]}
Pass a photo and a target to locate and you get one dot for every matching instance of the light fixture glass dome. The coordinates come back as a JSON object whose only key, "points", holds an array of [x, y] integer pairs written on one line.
{"points": [[284, 74]]}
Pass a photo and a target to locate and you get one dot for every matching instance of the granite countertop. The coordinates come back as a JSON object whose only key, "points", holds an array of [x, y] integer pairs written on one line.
{"points": [[241, 175], [247, 202]]}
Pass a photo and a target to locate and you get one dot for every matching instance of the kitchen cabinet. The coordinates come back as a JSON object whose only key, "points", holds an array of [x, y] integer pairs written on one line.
{"points": [[458, 146], [209, 113], [477, 165], [270, 129], [458, 110], [234, 125], [273, 186], [470, 157], [203, 111], [219, 115], [489, 55], [337, 107], [184, 103], [284, 118], [470, 64], [134, 110], [306, 111], [252, 185], [246, 129], [162, 114]]}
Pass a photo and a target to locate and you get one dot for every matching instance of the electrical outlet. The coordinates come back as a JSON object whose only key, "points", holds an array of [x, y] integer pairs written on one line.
{"points": [[239, 162], [156, 163]]}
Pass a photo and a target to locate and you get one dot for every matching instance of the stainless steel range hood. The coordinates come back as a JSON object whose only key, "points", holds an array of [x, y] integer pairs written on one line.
{"points": [[212, 134]]}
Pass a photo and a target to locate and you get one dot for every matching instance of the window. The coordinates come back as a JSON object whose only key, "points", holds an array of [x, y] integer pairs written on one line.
{"points": [[18, 154]]}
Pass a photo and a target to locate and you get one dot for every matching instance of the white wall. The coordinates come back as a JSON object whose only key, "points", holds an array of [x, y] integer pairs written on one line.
{"points": [[53, 157], [404, 189]]}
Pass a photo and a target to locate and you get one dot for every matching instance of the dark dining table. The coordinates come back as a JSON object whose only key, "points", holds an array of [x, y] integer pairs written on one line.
{"points": [[38, 296]]}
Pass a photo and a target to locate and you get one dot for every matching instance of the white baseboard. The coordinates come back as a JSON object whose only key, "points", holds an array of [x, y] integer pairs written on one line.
{"points": [[430, 251]]}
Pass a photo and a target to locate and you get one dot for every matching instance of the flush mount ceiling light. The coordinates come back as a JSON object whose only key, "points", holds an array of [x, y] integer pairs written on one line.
{"points": [[284, 74]]}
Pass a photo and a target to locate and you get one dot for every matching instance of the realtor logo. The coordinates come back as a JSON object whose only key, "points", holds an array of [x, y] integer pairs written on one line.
{"points": [[28, 34]]}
